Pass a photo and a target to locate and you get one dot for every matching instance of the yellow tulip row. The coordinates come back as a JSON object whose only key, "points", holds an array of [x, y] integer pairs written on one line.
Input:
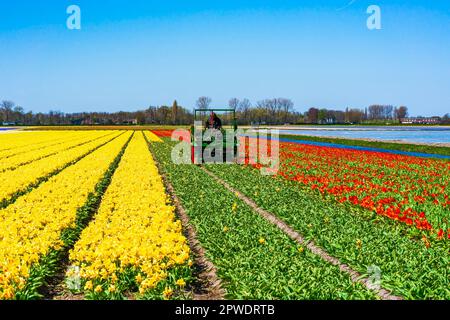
{"points": [[152, 137], [19, 179], [44, 140], [32, 226], [21, 142], [135, 227], [69, 142]]}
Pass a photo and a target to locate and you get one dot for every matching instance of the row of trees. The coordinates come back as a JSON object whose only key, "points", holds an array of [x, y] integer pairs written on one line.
{"points": [[175, 114], [374, 113], [270, 111], [274, 111]]}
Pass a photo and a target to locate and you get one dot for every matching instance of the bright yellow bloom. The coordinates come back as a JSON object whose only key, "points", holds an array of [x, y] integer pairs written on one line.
{"points": [[88, 286], [139, 231], [32, 226], [181, 283], [23, 176], [359, 244], [24, 141], [152, 137], [70, 140], [168, 292], [262, 241], [98, 289]]}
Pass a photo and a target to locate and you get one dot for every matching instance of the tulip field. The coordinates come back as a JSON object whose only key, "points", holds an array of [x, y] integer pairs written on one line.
{"points": [[107, 214]]}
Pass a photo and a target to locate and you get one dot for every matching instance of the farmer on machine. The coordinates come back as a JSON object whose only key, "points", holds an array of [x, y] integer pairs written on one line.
{"points": [[214, 122]]}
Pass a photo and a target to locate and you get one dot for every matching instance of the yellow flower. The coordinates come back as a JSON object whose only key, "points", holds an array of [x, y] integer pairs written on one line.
{"points": [[112, 288], [32, 225], [262, 241], [234, 207], [225, 229], [114, 278], [190, 263], [139, 278], [181, 283], [8, 294], [359, 244], [152, 137], [168, 292], [301, 249], [141, 231], [88, 286], [98, 289]]}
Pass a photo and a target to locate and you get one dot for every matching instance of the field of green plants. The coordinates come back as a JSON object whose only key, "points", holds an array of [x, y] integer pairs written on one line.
{"points": [[381, 217]]}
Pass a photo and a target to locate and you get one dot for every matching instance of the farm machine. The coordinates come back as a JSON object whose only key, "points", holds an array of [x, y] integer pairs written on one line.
{"points": [[221, 124]]}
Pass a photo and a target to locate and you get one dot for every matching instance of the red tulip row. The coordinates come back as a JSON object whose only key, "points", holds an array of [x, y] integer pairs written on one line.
{"points": [[411, 190]]}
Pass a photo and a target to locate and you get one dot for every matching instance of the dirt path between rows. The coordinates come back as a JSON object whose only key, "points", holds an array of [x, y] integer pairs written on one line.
{"points": [[355, 276]]}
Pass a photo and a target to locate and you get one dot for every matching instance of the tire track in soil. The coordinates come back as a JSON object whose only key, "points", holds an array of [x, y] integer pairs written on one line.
{"points": [[294, 235]]}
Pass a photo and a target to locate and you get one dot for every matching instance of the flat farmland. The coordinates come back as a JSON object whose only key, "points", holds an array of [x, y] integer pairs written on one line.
{"points": [[106, 214]]}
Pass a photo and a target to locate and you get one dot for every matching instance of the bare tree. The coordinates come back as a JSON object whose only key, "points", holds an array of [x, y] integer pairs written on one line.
{"points": [[245, 105], [203, 102], [376, 112], [381, 112], [287, 106], [401, 112], [234, 103], [354, 115], [388, 112], [6, 109]]}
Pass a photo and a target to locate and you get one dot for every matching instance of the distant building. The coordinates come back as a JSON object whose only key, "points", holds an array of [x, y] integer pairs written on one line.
{"points": [[421, 120], [130, 122]]}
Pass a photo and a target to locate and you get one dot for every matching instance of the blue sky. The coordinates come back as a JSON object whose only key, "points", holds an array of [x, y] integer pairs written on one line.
{"points": [[132, 54]]}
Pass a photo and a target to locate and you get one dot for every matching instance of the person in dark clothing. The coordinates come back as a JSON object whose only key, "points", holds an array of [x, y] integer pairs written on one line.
{"points": [[214, 122]]}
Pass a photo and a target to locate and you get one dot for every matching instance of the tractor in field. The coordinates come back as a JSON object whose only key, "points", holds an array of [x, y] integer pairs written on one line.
{"points": [[226, 124]]}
